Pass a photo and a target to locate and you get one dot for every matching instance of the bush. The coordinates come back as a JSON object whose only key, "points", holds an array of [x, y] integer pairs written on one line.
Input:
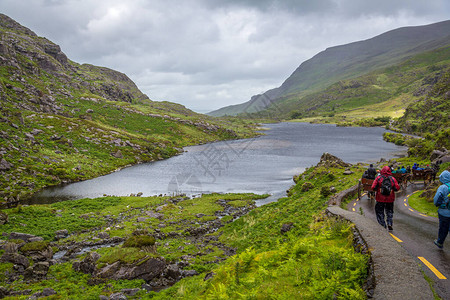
{"points": [[325, 191], [139, 241], [34, 246], [307, 186]]}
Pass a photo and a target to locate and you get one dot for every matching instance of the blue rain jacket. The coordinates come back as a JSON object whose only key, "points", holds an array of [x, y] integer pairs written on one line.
{"points": [[441, 198]]}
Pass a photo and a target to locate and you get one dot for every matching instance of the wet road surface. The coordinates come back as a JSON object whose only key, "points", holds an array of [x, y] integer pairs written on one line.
{"points": [[416, 233]]}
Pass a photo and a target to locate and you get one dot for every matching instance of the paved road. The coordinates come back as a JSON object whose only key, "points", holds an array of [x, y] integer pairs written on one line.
{"points": [[416, 233]]}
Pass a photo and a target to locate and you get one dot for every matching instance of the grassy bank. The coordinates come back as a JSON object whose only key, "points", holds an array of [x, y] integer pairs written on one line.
{"points": [[281, 250]]}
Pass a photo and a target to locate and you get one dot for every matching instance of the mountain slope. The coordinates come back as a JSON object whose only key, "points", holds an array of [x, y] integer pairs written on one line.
{"points": [[349, 61], [385, 92], [61, 121]]}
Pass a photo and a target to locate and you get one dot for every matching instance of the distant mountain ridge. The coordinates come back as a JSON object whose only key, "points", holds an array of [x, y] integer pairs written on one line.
{"points": [[348, 61]]}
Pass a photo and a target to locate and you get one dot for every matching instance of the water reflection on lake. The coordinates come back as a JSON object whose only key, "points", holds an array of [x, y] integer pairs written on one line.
{"points": [[261, 165]]}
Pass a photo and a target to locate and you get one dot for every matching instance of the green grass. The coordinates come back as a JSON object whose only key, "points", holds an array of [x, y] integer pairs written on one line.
{"points": [[314, 259], [422, 205]]}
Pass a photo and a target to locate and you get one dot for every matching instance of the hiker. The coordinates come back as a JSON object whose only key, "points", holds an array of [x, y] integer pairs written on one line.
{"points": [[385, 186], [365, 174], [371, 172], [416, 167], [403, 170], [441, 200]]}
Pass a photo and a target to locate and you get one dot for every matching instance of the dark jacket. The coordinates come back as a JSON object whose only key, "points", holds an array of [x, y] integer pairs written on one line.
{"points": [[386, 171], [371, 172]]}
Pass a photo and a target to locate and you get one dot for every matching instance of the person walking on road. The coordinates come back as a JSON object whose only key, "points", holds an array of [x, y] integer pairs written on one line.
{"points": [[441, 200], [371, 172], [385, 187]]}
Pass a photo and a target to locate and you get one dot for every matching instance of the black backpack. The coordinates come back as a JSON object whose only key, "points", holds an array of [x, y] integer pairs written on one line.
{"points": [[386, 186]]}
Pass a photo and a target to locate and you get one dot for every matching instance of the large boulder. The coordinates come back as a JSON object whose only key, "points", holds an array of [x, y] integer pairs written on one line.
{"points": [[37, 251], [87, 265], [15, 258], [21, 236], [38, 271], [146, 268]]}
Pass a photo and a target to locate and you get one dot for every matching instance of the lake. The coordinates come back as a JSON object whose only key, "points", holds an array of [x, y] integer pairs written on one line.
{"points": [[263, 165]]}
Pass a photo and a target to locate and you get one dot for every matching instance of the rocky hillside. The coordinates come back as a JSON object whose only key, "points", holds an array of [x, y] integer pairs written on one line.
{"points": [[61, 121], [348, 61]]}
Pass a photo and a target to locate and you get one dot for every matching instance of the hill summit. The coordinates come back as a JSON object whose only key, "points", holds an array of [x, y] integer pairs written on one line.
{"points": [[61, 121], [346, 62]]}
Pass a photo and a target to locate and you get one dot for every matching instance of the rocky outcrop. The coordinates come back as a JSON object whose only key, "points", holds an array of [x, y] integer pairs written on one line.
{"points": [[87, 265], [441, 156], [5, 165], [328, 160], [23, 236], [61, 234], [146, 268], [37, 271], [21, 261], [3, 218]]}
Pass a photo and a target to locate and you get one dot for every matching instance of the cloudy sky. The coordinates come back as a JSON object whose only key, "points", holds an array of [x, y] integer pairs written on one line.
{"points": [[206, 54]]}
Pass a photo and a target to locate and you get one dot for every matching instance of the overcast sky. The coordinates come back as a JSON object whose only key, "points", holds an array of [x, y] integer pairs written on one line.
{"points": [[206, 54]]}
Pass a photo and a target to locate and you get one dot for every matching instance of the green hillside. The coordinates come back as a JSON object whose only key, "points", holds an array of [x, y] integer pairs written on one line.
{"points": [[386, 92], [61, 121], [348, 61]]}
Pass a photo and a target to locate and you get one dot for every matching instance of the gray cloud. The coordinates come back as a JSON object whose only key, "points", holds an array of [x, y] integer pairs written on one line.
{"points": [[206, 54]]}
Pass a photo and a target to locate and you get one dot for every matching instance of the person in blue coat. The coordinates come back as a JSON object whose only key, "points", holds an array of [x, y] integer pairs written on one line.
{"points": [[441, 200]]}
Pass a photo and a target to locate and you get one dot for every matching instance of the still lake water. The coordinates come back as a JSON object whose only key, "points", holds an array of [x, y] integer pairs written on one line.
{"points": [[261, 165]]}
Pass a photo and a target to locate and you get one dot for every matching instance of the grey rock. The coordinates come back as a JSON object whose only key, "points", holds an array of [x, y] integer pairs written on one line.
{"points": [[130, 292], [155, 215], [29, 137], [37, 271], [209, 276], [61, 234], [11, 248], [36, 131], [118, 296], [4, 165], [117, 154], [15, 258], [188, 273], [286, 227], [40, 255], [20, 236], [45, 293], [103, 235], [147, 270], [87, 265], [3, 218], [173, 271], [36, 239]]}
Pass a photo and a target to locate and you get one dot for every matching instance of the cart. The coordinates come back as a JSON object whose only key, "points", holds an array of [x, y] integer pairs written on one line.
{"points": [[365, 184], [402, 179], [424, 175]]}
